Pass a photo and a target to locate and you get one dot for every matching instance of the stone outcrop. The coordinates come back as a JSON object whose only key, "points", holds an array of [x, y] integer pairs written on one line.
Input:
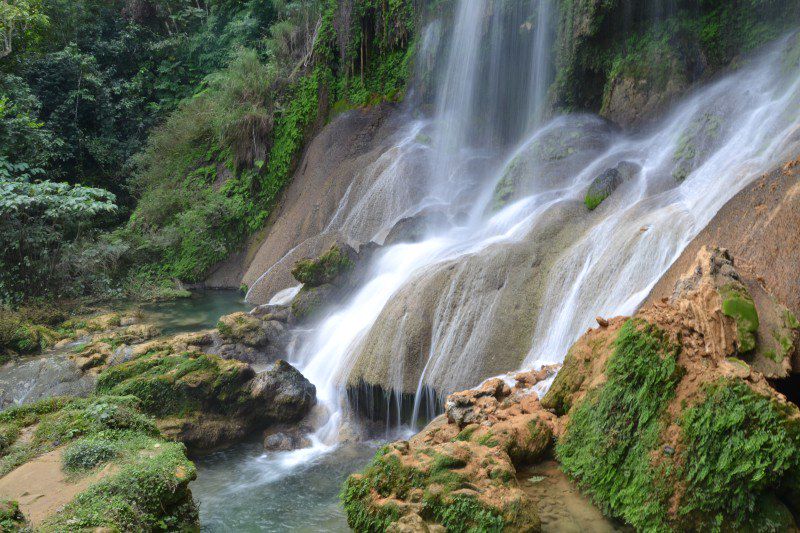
{"points": [[651, 416], [759, 228]]}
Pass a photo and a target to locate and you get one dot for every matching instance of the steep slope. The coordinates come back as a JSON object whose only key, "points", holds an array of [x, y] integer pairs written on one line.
{"points": [[760, 227]]}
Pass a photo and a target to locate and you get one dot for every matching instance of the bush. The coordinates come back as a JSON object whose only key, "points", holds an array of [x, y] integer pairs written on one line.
{"points": [[88, 453]]}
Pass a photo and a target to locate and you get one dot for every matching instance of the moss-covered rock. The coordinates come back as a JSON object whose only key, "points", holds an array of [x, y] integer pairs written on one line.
{"points": [[206, 401], [325, 269], [691, 437], [459, 472]]}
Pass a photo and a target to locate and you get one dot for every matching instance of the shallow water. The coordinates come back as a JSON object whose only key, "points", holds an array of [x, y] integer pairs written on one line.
{"points": [[244, 489], [201, 310]]}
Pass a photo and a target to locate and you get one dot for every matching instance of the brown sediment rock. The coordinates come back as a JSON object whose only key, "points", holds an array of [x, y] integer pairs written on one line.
{"points": [[759, 227]]}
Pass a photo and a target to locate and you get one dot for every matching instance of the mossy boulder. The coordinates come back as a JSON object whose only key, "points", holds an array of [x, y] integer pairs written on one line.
{"points": [[206, 401], [147, 482], [606, 183], [328, 268]]}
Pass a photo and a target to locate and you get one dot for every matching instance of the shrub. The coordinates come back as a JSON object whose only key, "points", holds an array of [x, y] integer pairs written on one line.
{"points": [[88, 453]]}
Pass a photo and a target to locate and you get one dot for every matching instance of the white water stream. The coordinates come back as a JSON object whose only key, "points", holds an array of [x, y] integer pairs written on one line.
{"points": [[750, 121]]}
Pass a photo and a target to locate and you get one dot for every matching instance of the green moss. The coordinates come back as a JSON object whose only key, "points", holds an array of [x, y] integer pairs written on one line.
{"points": [[176, 384], [737, 446], [324, 269], [592, 201], [466, 433], [615, 429], [790, 321], [87, 453], [387, 476], [738, 304], [11, 518]]}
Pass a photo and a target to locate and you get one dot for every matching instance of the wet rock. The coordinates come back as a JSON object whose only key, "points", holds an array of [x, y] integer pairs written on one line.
{"points": [[416, 228], [554, 156], [606, 183], [309, 301], [285, 394], [284, 439], [28, 381], [208, 402]]}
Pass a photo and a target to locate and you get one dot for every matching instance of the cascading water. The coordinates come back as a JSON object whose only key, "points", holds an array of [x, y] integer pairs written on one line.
{"points": [[522, 267]]}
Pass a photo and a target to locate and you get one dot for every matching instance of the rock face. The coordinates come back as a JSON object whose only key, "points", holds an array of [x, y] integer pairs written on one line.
{"points": [[759, 228], [653, 415], [43, 377], [416, 228], [491, 300], [338, 167]]}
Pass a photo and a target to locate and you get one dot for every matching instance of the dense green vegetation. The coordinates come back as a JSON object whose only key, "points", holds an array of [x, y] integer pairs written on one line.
{"points": [[621, 423], [175, 124], [602, 43]]}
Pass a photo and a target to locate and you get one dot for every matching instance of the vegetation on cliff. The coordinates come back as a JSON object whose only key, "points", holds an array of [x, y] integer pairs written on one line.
{"points": [[190, 116], [628, 59]]}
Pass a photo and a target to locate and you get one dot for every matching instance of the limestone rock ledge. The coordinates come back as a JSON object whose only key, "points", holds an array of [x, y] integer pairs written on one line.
{"points": [[674, 419]]}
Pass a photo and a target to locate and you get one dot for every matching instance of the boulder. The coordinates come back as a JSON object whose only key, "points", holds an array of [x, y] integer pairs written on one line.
{"points": [[607, 182], [284, 394], [465, 459], [286, 438], [555, 155], [208, 402], [415, 228], [251, 338]]}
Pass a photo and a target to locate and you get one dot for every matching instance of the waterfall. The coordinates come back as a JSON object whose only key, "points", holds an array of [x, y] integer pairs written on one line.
{"points": [[514, 284]]}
